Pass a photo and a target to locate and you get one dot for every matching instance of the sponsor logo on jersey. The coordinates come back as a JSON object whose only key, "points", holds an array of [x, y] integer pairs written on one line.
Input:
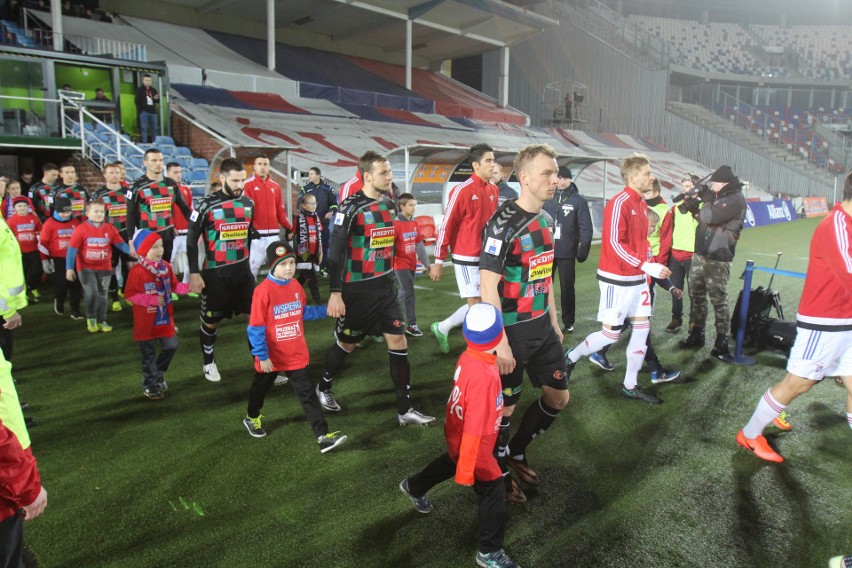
{"points": [[287, 331], [161, 204], [218, 214], [233, 231], [526, 243], [284, 310], [368, 218], [118, 210], [78, 204], [381, 237], [541, 265], [493, 246]]}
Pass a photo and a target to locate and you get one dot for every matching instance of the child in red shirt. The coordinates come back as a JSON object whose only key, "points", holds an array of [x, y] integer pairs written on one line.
{"points": [[474, 411], [26, 226], [53, 246], [89, 258], [408, 248], [149, 288], [277, 341], [307, 240]]}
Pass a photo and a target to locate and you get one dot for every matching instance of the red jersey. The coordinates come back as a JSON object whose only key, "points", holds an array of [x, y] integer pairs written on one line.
{"points": [[269, 211], [55, 236], [21, 481], [275, 327], [624, 239], [351, 187], [26, 228], [151, 321], [94, 245], [470, 206], [474, 411], [406, 236], [826, 302], [180, 222]]}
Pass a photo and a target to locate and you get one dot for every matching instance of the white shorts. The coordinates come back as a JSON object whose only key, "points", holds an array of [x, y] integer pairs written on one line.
{"points": [[621, 302], [257, 253], [467, 279], [819, 354], [178, 261]]}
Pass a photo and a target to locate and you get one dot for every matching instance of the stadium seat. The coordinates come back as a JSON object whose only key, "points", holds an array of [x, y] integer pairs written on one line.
{"points": [[164, 141], [199, 163], [426, 224], [196, 176]]}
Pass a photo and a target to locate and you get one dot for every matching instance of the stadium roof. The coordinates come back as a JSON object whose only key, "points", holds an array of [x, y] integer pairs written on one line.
{"points": [[442, 29]]}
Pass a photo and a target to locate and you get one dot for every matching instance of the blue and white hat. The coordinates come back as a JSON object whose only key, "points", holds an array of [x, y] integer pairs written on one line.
{"points": [[483, 327]]}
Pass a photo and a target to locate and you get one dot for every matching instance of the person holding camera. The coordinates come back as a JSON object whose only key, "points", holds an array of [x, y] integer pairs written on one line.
{"points": [[573, 238], [720, 221], [681, 225]]}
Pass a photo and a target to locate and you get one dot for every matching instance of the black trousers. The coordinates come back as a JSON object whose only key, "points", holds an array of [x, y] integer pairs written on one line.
{"points": [[310, 276], [32, 269], [63, 287], [680, 275], [304, 389], [566, 267], [492, 499], [11, 541]]}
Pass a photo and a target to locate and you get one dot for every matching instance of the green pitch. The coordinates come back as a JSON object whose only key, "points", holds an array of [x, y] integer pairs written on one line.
{"points": [[179, 482]]}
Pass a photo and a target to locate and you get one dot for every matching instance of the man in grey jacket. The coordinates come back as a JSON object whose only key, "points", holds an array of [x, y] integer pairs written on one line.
{"points": [[572, 235], [719, 224]]}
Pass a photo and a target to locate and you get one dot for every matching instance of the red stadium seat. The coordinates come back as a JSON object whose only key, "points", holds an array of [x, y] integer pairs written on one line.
{"points": [[426, 224]]}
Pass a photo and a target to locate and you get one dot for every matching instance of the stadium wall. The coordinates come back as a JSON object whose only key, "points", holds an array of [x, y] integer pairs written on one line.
{"points": [[626, 97]]}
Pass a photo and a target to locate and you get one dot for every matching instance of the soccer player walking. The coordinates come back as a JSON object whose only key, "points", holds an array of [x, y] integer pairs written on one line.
{"points": [[224, 221], [622, 279], [823, 346], [469, 207], [516, 271], [363, 286]]}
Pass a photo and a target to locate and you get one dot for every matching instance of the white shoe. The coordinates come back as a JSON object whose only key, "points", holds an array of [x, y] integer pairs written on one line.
{"points": [[211, 373], [281, 380], [414, 417], [327, 400]]}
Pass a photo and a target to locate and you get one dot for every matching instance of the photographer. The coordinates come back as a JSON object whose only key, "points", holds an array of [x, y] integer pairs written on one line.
{"points": [[720, 221]]}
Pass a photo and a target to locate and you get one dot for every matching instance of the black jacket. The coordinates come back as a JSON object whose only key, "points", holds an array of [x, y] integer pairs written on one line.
{"points": [[570, 212], [720, 222]]}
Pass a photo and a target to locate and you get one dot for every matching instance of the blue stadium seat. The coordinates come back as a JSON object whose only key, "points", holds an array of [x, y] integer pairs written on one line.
{"points": [[196, 176], [199, 163], [182, 151], [164, 141]]}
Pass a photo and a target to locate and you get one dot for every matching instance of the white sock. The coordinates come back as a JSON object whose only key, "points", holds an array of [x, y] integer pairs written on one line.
{"points": [[455, 320], [767, 410], [636, 348], [849, 418], [594, 343]]}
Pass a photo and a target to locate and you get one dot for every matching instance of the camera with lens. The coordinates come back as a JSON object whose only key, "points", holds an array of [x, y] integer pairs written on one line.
{"points": [[693, 198]]}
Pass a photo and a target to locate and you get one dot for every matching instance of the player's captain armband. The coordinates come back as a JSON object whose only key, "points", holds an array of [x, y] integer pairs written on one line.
{"points": [[194, 216], [338, 219], [493, 246]]}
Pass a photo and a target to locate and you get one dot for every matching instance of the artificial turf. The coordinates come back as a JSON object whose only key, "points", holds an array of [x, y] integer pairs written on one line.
{"points": [[179, 482]]}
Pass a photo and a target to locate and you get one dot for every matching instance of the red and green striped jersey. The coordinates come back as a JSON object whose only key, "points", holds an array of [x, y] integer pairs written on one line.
{"points": [[225, 224], [362, 243], [75, 194], [149, 204], [519, 245], [115, 203]]}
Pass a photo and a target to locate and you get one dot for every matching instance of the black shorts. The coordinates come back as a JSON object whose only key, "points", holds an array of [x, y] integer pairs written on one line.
{"points": [[371, 309], [227, 292], [537, 350]]}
